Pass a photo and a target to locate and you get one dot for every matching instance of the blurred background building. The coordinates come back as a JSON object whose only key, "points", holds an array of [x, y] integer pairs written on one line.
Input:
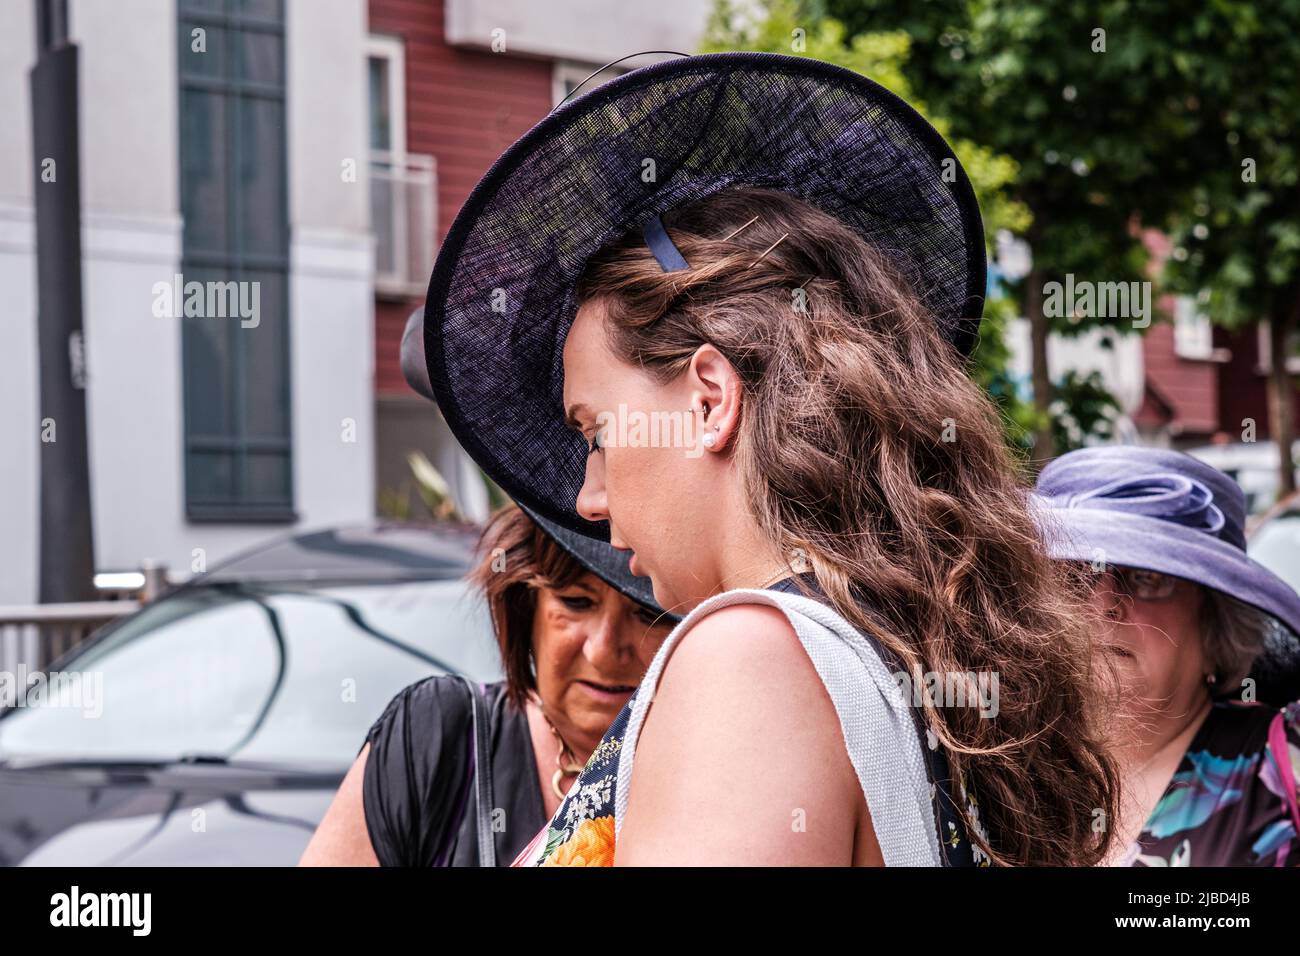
{"points": [[452, 84], [320, 148], [222, 163]]}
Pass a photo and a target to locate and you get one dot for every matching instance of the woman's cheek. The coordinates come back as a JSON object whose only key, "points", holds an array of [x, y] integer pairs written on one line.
{"points": [[633, 476], [550, 650]]}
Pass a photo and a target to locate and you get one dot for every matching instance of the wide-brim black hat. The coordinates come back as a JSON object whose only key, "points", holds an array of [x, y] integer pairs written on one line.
{"points": [[501, 297], [602, 560]]}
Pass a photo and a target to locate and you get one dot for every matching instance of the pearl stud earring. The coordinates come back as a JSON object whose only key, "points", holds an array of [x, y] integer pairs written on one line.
{"points": [[709, 439]]}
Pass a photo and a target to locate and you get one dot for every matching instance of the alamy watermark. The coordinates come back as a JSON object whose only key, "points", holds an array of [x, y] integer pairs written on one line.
{"points": [[208, 300], [656, 429], [1098, 300], [75, 690], [129, 910], [948, 689]]}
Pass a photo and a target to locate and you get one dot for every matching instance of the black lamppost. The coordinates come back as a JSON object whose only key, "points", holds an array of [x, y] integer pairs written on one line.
{"points": [[66, 542]]}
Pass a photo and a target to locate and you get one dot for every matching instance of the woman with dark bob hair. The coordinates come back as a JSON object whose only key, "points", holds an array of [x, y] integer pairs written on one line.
{"points": [[576, 630]]}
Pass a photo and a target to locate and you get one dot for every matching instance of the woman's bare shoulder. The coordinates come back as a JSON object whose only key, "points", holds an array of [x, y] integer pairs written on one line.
{"points": [[341, 838], [757, 626], [740, 742], [731, 659]]}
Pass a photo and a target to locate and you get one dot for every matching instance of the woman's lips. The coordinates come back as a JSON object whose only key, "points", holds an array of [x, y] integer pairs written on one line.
{"points": [[608, 693], [631, 555]]}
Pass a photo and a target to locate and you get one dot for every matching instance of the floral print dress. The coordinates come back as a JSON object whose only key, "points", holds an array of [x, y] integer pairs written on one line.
{"points": [[1233, 799]]}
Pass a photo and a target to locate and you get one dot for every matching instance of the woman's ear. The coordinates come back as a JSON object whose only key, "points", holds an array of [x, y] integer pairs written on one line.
{"points": [[715, 387]]}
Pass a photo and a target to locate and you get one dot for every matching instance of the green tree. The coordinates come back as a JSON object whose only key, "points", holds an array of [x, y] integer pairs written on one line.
{"points": [[1083, 410], [1237, 237], [1102, 105], [792, 28]]}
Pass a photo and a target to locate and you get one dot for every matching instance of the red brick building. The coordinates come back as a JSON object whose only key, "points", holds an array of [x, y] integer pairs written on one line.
{"points": [[1202, 382], [452, 84]]}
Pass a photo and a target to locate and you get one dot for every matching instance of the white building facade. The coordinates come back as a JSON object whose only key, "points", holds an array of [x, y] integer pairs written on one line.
{"points": [[207, 434]]}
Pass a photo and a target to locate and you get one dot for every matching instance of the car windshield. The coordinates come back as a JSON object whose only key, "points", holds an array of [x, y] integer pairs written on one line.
{"points": [[1276, 545], [281, 674]]}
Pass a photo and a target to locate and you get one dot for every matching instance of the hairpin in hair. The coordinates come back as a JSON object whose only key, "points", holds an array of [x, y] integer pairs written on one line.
{"points": [[670, 258], [784, 237], [739, 229]]}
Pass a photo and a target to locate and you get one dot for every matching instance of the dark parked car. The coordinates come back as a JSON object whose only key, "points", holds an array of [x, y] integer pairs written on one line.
{"points": [[216, 723]]}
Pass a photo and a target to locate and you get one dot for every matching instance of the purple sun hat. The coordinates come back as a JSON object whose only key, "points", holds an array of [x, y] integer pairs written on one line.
{"points": [[1160, 511]]}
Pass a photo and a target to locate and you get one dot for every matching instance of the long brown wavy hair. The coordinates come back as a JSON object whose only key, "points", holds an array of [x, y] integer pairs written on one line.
{"points": [[864, 447]]}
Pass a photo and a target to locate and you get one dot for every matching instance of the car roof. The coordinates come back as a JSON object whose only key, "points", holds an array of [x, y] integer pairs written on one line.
{"points": [[379, 551]]}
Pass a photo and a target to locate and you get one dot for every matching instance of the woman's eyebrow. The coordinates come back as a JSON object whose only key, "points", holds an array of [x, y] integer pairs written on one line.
{"points": [[581, 583]]}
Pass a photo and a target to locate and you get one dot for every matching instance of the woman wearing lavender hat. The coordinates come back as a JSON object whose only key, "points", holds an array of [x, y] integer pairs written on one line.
{"points": [[1209, 771]]}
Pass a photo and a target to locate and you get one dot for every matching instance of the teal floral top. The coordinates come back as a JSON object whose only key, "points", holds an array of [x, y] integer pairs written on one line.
{"points": [[1232, 801]]}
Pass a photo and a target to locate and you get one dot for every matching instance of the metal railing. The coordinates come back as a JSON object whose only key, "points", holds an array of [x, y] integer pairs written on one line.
{"points": [[403, 209], [32, 636]]}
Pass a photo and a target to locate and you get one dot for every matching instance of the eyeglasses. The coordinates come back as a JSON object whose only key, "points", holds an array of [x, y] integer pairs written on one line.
{"points": [[1140, 584]]}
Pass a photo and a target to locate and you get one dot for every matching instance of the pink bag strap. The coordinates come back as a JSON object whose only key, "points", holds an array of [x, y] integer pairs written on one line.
{"points": [[1277, 743]]}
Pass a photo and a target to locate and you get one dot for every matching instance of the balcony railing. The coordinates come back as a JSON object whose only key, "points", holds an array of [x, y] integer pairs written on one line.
{"points": [[403, 190], [33, 636]]}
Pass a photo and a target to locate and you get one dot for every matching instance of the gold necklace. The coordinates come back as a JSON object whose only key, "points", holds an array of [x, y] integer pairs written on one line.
{"points": [[562, 769]]}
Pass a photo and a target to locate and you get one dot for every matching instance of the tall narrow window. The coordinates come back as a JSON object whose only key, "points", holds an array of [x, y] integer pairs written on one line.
{"points": [[402, 185], [235, 259], [1193, 335]]}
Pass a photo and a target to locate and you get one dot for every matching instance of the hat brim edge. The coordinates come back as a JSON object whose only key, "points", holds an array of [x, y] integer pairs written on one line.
{"points": [[1076, 534]]}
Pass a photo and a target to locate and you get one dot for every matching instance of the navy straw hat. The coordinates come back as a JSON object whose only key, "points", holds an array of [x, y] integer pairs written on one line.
{"points": [[602, 560], [501, 297]]}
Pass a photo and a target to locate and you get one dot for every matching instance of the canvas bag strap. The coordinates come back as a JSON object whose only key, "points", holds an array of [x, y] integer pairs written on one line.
{"points": [[879, 731]]}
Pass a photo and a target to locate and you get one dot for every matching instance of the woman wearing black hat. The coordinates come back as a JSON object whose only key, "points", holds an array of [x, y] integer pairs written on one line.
{"points": [[576, 631], [715, 312]]}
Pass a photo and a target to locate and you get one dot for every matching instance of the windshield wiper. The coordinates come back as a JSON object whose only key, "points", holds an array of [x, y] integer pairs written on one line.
{"points": [[204, 758], [159, 764]]}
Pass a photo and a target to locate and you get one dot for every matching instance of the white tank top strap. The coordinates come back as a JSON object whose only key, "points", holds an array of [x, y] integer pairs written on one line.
{"points": [[879, 732]]}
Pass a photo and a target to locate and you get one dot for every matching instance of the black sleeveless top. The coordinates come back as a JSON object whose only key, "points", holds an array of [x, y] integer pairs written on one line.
{"points": [[417, 795]]}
